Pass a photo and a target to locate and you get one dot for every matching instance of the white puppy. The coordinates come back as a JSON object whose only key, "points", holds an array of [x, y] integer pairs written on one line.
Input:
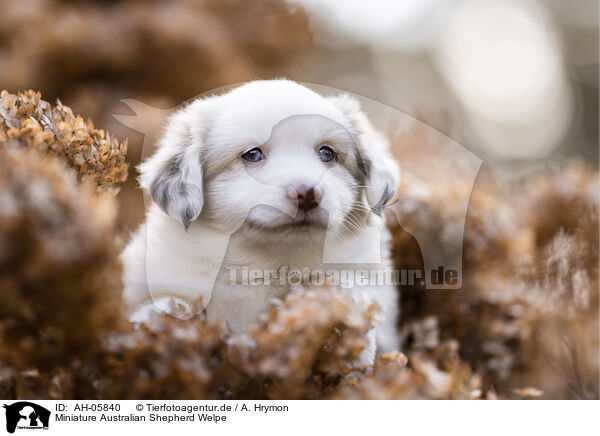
{"points": [[273, 177]]}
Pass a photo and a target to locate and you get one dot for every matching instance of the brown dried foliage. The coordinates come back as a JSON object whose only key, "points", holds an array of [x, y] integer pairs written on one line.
{"points": [[527, 313], [174, 48], [28, 121], [59, 268]]}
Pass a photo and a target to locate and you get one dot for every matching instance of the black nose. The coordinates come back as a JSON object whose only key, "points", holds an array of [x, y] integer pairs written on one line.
{"points": [[308, 196]]}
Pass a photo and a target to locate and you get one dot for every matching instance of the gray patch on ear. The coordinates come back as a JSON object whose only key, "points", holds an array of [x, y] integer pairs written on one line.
{"points": [[188, 217], [364, 165], [169, 183], [387, 195], [162, 186]]}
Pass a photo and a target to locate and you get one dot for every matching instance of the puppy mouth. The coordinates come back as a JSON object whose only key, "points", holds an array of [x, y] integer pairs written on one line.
{"points": [[303, 223], [300, 223], [293, 225]]}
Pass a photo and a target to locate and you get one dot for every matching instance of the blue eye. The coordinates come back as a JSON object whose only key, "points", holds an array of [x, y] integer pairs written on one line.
{"points": [[326, 154], [253, 155]]}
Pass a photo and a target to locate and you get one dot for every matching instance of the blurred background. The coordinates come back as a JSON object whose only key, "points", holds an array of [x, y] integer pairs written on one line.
{"points": [[514, 82]]}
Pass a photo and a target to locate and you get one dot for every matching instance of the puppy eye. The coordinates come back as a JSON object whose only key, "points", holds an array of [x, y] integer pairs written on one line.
{"points": [[326, 154], [253, 155]]}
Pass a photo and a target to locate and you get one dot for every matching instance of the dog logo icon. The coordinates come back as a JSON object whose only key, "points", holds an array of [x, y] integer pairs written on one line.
{"points": [[26, 415]]}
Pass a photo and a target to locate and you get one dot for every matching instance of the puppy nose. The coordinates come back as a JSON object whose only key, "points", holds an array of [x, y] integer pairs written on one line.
{"points": [[308, 196]]}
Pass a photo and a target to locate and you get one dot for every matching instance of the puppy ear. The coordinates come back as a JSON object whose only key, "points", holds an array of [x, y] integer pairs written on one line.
{"points": [[383, 178], [373, 157], [173, 175]]}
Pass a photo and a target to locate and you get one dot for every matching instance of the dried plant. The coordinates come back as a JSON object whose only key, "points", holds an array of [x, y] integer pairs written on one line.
{"points": [[174, 48], [28, 121], [59, 268], [527, 314]]}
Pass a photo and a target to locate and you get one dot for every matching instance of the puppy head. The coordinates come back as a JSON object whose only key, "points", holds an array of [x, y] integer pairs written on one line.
{"points": [[273, 159]]}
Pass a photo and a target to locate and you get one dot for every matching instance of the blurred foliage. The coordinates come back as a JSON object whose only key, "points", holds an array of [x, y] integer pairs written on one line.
{"points": [[527, 313]]}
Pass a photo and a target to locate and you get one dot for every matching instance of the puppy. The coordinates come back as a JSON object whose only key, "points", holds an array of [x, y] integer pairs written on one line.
{"points": [[270, 176]]}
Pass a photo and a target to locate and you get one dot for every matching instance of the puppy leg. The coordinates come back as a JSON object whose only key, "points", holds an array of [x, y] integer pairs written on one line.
{"points": [[367, 356], [386, 298], [135, 288]]}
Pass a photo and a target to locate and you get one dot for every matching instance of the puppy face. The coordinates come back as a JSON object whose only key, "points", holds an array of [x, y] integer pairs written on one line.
{"points": [[274, 160], [300, 181]]}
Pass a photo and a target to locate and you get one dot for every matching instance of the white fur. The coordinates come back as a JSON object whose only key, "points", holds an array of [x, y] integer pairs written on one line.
{"points": [[213, 210]]}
